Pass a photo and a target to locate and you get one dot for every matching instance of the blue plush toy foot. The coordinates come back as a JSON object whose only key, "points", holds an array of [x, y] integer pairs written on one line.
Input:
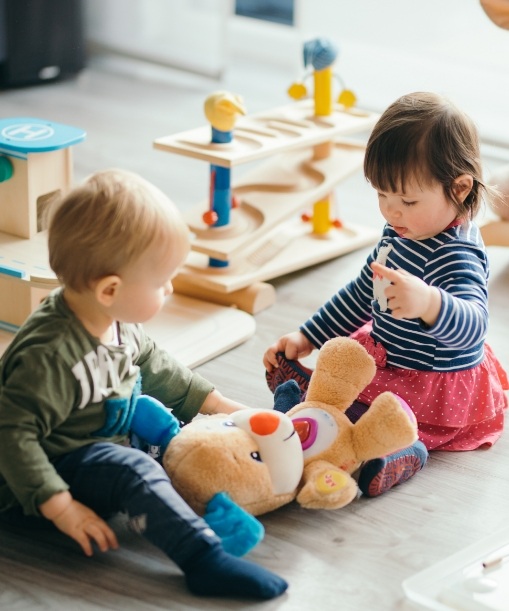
{"points": [[239, 531], [153, 422]]}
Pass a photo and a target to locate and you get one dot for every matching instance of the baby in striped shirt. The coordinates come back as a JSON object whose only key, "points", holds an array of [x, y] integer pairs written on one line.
{"points": [[420, 302]]}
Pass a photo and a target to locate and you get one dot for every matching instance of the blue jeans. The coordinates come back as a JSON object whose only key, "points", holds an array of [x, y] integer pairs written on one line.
{"points": [[110, 478]]}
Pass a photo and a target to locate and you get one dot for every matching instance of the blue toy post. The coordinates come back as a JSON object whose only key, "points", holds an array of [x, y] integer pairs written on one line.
{"points": [[220, 193], [221, 110]]}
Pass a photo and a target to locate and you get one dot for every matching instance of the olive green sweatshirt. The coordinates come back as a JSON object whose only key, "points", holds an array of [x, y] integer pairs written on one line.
{"points": [[60, 389]]}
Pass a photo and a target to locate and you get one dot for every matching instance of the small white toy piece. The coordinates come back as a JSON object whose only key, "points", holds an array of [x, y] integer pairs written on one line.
{"points": [[379, 282]]}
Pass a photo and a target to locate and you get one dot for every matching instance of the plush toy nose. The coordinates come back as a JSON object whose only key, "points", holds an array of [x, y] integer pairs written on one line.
{"points": [[278, 445], [264, 423]]}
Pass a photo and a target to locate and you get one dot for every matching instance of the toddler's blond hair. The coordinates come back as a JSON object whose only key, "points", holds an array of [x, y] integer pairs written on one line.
{"points": [[107, 223]]}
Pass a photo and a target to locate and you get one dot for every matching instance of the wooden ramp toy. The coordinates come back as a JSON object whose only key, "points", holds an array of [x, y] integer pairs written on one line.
{"points": [[268, 133], [265, 236]]}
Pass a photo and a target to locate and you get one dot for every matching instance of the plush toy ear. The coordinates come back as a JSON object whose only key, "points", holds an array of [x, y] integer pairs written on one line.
{"points": [[343, 369], [286, 396]]}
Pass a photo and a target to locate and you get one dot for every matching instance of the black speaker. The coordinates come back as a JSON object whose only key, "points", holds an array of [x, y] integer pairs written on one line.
{"points": [[40, 41]]}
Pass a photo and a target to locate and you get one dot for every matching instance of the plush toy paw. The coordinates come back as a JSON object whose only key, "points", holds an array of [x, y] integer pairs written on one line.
{"points": [[153, 422], [326, 487], [387, 426], [239, 531]]}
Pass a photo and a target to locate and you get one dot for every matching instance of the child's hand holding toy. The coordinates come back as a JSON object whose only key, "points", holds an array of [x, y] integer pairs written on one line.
{"points": [[409, 296]]}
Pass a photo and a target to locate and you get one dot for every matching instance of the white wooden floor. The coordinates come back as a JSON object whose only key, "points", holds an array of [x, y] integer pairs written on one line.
{"points": [[351, 559]]}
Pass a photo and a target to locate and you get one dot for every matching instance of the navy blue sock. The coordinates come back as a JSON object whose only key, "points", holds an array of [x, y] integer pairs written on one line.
{"points": [[217, 573], [286, 396], [356, 410]]}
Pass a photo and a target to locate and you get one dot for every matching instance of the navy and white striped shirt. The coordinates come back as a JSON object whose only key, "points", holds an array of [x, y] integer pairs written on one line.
{"points": [[454, 261]]}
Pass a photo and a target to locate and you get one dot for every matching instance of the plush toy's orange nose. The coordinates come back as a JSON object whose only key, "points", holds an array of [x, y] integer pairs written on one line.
{"points": [[264, 424]]}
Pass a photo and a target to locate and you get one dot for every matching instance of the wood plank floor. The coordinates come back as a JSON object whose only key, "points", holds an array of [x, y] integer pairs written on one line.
{"points": [[351, 559]]}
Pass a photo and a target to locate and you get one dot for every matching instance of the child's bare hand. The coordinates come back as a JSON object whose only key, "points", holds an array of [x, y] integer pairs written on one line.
{"points": [[80, 523], [216, 403], [409, 296], [294, 345]]}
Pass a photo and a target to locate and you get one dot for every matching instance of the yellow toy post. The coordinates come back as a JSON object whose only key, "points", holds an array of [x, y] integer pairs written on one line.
{"points": [[323, 92], [320, 53], [308, 151]]}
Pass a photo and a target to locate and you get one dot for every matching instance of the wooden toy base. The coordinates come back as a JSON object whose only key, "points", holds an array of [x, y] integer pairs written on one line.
{"points": [[261, 238], [195, 331], [191, 330], [252, 299], [290, 247]]}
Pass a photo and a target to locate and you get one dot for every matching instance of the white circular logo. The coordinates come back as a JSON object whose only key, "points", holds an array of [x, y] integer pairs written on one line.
{"points": [[27, 132]]}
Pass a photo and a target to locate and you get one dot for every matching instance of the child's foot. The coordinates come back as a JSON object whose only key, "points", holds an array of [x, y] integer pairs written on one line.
{"points": [[288, 370], [219, 574], [380, 474]]}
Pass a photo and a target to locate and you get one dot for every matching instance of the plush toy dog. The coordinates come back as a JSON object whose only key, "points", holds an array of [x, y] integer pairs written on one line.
{"points": [[254, 455], [153, 427], [264, 459]]}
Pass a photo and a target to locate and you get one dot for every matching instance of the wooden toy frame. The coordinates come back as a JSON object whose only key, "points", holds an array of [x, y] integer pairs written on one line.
{"points": [[39, 156], [265, 239]]}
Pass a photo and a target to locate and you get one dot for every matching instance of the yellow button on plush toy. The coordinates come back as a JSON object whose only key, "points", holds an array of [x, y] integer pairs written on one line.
{"points": [[331, 481]]}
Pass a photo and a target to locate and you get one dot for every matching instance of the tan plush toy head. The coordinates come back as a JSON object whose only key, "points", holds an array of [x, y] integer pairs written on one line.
{"points": [[253, 455], [258, 459]]}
